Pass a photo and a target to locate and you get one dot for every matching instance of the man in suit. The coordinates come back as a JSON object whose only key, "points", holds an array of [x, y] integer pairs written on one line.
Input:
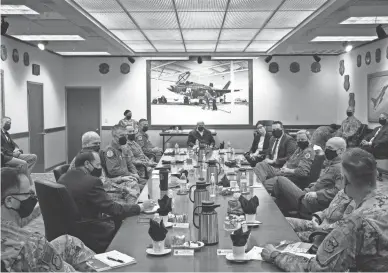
{"points": [[259, 147], [13, 156], [377, 142], [88, 192], [203, 135]]}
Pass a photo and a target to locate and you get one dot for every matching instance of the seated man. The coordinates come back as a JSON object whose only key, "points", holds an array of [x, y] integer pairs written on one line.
{"points": [[13, 156], [25, 251], [259, 147], [203, 135], [322, 134], [340, 207], [377, 142], [360, 242], [119, 158], [122, 189], [129, 121], [297, 167], [143, 140], [86, 188], [349, 128], [318, 195]]}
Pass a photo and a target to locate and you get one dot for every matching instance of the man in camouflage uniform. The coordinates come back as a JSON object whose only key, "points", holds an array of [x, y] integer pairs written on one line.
{"points": [[122, 189], [143, 140], [322, 134], [349, 128], [318, 195], [360, 242], [128, 121], [297, 167], [328, 219], [23, 250]]}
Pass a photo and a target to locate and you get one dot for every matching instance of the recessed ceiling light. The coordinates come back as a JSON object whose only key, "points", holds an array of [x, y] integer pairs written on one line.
{"points": [[49, 37], [16, 9], [367, 20], [343, 38], [75, 53]]}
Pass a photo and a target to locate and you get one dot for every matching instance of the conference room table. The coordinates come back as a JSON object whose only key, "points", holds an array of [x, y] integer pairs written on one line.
{"points": [[173, 133], [132, 238]]}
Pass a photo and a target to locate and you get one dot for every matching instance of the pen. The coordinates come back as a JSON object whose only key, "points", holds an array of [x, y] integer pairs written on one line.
{"points": [[115, 260]]}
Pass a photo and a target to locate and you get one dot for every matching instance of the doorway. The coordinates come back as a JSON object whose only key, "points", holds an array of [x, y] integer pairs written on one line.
{"points": [[36, 123], [83, 110]]}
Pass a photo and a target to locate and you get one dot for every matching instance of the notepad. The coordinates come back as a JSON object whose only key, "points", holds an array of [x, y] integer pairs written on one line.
{"points": [[109, 260]]}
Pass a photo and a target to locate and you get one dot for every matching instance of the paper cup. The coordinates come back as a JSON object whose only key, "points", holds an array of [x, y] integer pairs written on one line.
{"points": [[158, 246], [165, 219], [233, 184], [250, 218], [238, 252]]}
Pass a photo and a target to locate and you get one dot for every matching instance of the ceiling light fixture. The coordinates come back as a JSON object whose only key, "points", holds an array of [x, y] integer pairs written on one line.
{"points": [[343, 38], [317, 58], [348, 47], [381, 32], [268, 59], [199, 60], [17, 10], [369, 20], [42, 45], [82, 53], [4, 25], [49, 37], [131, 60]]}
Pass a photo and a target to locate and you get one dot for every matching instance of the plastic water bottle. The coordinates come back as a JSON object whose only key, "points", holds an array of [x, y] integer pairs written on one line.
{"points": [[176, 148], [171, 195], [212, 186], [243, 183]]}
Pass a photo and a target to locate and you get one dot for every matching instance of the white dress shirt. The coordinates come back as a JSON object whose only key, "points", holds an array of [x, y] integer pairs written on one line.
{"points": [[260, 145], [370, 142], [275, 156]]}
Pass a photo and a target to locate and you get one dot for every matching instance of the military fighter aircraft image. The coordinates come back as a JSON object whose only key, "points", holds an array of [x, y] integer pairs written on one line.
{"points": [[377, 101]]}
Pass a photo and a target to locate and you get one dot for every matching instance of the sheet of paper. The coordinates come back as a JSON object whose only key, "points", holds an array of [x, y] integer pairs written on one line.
{"points": [[181, 225], [223, 252], [255, 253], [103, 257], [184, 252]]}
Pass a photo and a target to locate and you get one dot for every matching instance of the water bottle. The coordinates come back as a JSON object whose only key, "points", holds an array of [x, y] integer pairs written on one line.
{"points": [[204, 162], [233, 153], [157, 218], [212, 186], [171, 195], [229, 151], [176, 148], [243, 183]]}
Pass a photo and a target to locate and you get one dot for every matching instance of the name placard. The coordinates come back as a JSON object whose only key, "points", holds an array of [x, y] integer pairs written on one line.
{"points": [[184, 252], [223, 252], [181, 225]]}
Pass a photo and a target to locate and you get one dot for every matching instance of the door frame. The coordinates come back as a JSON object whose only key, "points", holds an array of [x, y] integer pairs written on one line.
{"points": [[29, 128], [66, 124]]}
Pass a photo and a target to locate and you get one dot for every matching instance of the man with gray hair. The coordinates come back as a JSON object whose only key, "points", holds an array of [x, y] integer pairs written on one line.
{"points": [[377, 142], [203, 135], [360, 243]]}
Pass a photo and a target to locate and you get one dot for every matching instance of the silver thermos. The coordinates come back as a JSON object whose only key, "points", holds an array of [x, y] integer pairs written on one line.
{"points": [[213, 167], [200, 194], [208, 223]]}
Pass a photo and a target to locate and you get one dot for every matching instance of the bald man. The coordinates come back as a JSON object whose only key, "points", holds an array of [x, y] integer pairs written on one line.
{"points": [[318, 195], [203, 135], [349, 128], [377, 142]]}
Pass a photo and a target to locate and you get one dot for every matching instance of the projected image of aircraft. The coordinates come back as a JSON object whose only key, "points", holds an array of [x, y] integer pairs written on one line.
{"points": [[376, 101]]}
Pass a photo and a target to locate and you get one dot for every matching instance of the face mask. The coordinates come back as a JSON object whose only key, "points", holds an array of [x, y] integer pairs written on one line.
{"points": [[303, 144], [131, 137], [330, 154], [95, 148], [382, 121], [26, 206], [96, 172], [7, 127], [145, 128], [122, 140], [349, 114], [201, 129], [128, 117], [277, 133]]}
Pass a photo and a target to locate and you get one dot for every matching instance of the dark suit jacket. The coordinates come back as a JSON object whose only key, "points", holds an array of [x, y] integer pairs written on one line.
{"points": [[286, 149], [206, 138], [381, 140], [92, 200], [256, 140], [7, 146]]}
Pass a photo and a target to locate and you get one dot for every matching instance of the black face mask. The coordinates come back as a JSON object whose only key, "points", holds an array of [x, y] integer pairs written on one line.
{"points": [[201, 129], [95, 148], [26, 206], [96, 172], [128, 117], [277, 133], [6, 127], [131, 137], [145, 128], [303, 144], [382, 121], [330, 154], [122, 140], [349, 114]]}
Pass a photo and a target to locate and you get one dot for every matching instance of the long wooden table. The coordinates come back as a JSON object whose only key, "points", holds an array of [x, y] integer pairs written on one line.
{"points": [[132, 238]]}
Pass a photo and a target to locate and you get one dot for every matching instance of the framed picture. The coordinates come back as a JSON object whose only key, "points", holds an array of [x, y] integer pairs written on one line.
{"points": [[218, 93], [377, 95]]}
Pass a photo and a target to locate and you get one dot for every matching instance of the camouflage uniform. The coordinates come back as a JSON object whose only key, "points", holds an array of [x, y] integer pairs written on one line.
{"points": [[22, 250], [321, 135], [143, 140], [341, 206], [131, 122], [359, 243], [349, 128], [300, 161], [139, 157]]}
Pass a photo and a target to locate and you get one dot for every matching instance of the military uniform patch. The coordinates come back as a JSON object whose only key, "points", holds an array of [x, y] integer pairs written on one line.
{"points": [[330, 245], [307, 156], [139, 138], [109, 153], [349, 209], [57, 262]]}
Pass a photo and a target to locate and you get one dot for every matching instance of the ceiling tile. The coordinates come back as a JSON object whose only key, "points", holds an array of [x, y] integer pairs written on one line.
{"points": [[201, 5], [99, 6], [169, 46], [140, 46], [259, 46], [200, 34], [163, 34], [232, 46], [302, 4], [238, 34], [246, 19], [272, 34], [148, 5], [155, 20], [129, 35], [114, 20], [288, 19], [201, 19], [200, 45], [253, 5]]}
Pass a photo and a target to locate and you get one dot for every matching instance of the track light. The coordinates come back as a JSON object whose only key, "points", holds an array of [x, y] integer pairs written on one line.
{"points": [[199, 60], [4, 25], [381, 32], [348, 47], [42, 45], [268, 59], [131, 60], [317, 58]]}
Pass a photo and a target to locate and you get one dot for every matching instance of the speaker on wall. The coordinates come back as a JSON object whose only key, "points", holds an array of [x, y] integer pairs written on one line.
{"points": [[36, 69]]}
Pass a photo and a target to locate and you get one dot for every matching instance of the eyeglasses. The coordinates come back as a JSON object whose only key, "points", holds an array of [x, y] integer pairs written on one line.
{"points": [[31, 194]]}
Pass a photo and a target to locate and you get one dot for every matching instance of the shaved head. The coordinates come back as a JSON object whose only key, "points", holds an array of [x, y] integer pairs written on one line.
{"points": [[130, 129], [350, 109], [336, 143], [90, 139], [200, 123]]}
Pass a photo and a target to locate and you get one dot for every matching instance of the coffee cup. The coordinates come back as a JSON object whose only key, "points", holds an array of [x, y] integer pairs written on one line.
{"points": [[158, 246]]}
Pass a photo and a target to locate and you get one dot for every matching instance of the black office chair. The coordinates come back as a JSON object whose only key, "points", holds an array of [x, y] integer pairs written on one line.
{"points": [[60, 170], [316, 238]]}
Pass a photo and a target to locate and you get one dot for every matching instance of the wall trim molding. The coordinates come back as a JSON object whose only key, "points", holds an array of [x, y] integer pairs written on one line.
{"points": [[55, 129], [20, 135], [229, 127], [53, 167]]}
